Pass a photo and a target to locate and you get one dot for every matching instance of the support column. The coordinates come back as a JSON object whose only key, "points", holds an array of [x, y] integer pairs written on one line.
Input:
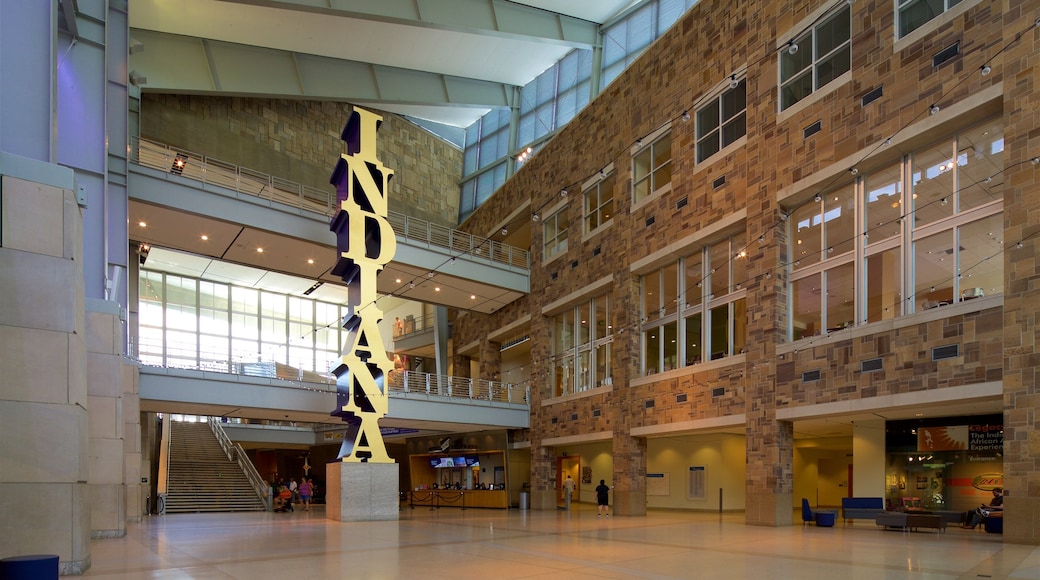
{"points": [[440, 339], [868, 458], [1020, 70]]}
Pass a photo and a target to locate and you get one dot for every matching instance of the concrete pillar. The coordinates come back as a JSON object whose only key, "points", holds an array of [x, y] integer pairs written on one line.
{"points": [[868, 458], [440, 339], [1021, 269]]}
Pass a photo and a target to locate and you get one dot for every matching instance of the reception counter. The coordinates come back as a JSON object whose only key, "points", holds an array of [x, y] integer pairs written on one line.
{"points": [[464, 498]]}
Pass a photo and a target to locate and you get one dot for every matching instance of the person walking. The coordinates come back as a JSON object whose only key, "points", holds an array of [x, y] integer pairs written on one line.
{"points": [[568, 491], [294, 488], [306, 491], [602, 499]]}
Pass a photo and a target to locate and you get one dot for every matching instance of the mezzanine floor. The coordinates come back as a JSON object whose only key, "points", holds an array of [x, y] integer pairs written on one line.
{"points": [[499, 544]]}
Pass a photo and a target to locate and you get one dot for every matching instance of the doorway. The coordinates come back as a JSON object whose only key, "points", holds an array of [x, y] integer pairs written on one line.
{"points": [[567, 465]]}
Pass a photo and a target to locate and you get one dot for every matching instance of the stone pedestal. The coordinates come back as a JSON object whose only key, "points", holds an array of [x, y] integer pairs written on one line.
{"points": [[362, 492]]}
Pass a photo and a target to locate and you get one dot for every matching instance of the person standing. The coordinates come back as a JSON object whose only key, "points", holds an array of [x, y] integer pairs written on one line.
{"points": [[306, 491], [602, 499], [294, 488], [568, 490]]}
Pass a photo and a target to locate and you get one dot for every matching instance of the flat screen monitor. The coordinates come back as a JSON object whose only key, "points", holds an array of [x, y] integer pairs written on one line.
{"points": [[472, 461]]}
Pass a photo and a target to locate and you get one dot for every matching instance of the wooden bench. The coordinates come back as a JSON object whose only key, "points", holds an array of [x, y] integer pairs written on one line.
{"points": [[914, 521]]}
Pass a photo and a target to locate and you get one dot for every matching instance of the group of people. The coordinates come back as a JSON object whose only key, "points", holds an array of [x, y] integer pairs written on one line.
{"points": [[287, 494], [602, 496]]}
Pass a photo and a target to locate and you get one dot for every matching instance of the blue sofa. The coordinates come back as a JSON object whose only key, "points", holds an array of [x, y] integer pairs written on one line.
{"points": [[864, 508]]}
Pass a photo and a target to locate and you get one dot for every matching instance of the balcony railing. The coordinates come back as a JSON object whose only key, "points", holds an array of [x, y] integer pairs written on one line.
{"points": [[407, 382], [248, 181]]}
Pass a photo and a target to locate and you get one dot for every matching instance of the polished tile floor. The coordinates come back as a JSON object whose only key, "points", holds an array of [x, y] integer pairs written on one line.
{"points": [[494, 544]]}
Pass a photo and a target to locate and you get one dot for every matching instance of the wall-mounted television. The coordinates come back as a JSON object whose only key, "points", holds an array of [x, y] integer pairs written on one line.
{"points": [[439, 462]]}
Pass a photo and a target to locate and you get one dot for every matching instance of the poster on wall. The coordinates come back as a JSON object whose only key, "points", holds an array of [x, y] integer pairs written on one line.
{"points": [[698, 482], [657, 484], [942, 438], [985, 443]]}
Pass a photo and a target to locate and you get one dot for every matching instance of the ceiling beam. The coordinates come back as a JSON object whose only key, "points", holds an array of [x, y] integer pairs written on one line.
{"points": [[183, 64], [484, 17]]}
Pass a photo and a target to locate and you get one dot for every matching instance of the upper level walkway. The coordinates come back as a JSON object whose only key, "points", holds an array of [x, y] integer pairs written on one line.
{"points": [[418, 401], [179, 193]]}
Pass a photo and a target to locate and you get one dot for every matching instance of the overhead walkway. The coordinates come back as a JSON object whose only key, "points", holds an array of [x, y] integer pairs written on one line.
{"points": [[419, 402], [180, 193]]}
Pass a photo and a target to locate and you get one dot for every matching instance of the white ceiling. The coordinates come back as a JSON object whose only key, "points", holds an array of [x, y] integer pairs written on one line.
{"points": [[308, 27]]}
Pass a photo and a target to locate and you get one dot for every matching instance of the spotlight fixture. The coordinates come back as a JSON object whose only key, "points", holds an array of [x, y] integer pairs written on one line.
{"points": [[453, 260], [639, 142], [686, 116], [411, 285], [943, 201], [505, 231], [429, 274], [934, 109], [142, 253], [792, 48], [602, 174], [563, 192], [733, 83], [888, 142], [1035, 160], [817, 198], [985, 69], [534, 217], [854, 171], [177, 167], [314, 287]]}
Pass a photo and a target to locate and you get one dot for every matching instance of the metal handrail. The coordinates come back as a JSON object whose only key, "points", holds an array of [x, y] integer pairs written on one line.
{"points": [[206, 169], [235, 453]]}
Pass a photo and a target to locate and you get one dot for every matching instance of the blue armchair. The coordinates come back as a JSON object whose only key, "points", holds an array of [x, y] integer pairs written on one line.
{"points": [[823, 518]]}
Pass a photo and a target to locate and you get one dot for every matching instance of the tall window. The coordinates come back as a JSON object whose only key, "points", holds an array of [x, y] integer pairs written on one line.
{"points": [[823, 53], [722, 121], [913, 14], [599, 203], [581, 338], [850, 267], [695, 309], [652, 168], [554, 234], [198, 324]]}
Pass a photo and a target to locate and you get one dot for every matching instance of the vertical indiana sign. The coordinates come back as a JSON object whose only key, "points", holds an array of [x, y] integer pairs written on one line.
{"points": [[365, 243]]}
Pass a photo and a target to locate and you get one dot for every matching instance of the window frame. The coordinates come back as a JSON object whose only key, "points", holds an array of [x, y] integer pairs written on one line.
{"points": [[808, 36], [717, 104], [556, 245], [573, 379], [651, 144], [598, 187]]}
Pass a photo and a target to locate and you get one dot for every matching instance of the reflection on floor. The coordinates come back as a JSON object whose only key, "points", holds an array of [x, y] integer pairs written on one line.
{"points": [[452, 543]]}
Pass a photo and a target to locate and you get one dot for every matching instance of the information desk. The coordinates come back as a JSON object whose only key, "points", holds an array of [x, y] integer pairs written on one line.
{"points": [[463, 498]]}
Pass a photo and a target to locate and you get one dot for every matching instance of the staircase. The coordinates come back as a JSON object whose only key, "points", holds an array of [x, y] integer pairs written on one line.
{"points": [[201, 478]]}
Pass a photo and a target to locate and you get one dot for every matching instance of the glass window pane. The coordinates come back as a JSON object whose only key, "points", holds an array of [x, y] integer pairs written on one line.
{"points": [[834, 66], [585, 324], [602, 316], [793, 64], [670, 288], [739, 261], [734, 101], [603, 365], [981, 266], [932, 179], [707, 119], [980, 163], [832, 33], [915, 14], [652, 295], [841, 297], [839, 221], [720, 259], [707, 146], [652, 351], [694, 276], [585, 370], [564, 331], [884, 293], [734, 129], [693, 339], [720, 332], [796, 90], [884, 204], [933, 271], [740, 326], [806, 307], [671, 346], [806, 242]]}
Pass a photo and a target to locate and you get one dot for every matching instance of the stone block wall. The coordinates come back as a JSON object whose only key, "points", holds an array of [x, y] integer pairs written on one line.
{"points": [[300, 141], [774, 170], [44, 423]]}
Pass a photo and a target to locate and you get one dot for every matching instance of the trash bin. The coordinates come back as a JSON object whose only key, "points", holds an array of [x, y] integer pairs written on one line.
{"points": [[36, 567], [525, 500]]}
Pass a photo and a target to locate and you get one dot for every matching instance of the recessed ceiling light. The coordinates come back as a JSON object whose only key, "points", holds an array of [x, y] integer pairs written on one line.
{"points": [[437, 289], [310, 260], [259, 250], [143, 224], [472, 296], [397, 280], [204, 237]]}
